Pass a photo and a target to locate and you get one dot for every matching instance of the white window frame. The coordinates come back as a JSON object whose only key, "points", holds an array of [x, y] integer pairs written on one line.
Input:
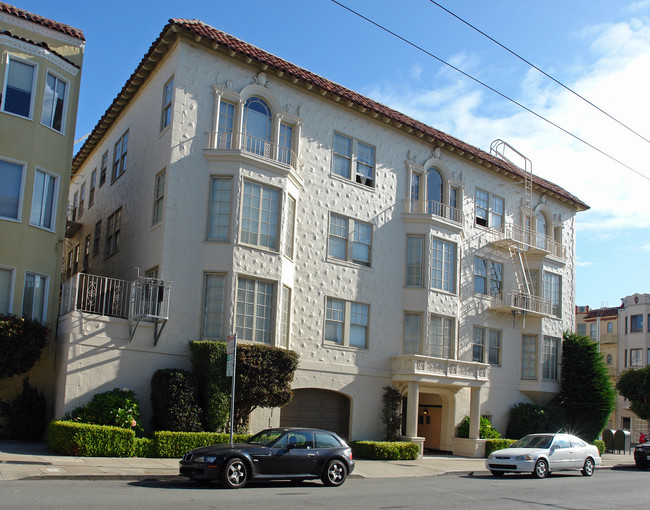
{"points": [[167, 102], [120, 151], [529, 357], [444, 268], [486, 344], [34, 67], [290, 226], [636, 328], [247, 311], [66, 94], [412, 332], [113, 229], [490, 210], [218, 209], [46, 290], [214, 306], [488, 271], [159, 197], [550, 358], [415, 264], [442, 333], [19, 208], [285, 317], [636, 358], [103, 169], [345, 228], [261, 230], [39, 222], [553, 292], [345, 317], [356, 157], [11, 285]]}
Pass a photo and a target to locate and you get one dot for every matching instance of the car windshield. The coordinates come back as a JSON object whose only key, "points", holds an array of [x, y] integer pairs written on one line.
{"points": [[266, 437], [533, 442]]}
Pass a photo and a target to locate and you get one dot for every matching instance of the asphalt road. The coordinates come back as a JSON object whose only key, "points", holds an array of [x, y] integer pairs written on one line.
{"points": [[624, 488]]}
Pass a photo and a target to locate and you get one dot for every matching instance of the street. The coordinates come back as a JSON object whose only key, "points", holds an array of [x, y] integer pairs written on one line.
{"points": [[608, 488]]}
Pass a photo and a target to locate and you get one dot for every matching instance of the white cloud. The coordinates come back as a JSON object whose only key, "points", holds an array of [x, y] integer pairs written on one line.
{"points": [[645, 247]]}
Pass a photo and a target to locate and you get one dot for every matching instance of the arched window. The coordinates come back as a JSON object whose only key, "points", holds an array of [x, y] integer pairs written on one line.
{"points": [[257, 123], [434, 192], [542, 231]]}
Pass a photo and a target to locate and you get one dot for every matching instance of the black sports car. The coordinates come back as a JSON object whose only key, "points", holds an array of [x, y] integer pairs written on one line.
{"points": [[273, 454], [642, 455]]}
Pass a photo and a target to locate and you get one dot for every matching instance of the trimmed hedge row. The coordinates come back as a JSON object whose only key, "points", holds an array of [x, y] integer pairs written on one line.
{"points": [[85, 440], [384, 450], [176, 444]]}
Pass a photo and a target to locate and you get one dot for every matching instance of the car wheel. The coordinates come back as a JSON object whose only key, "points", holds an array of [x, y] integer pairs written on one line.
{"points": [[335, 473], [642, 465], [541, 469], [234, 474], [588, 468], [497, 473]]}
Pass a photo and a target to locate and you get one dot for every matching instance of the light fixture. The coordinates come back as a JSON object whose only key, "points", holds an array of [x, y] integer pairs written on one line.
{"points": [[426, 411]]}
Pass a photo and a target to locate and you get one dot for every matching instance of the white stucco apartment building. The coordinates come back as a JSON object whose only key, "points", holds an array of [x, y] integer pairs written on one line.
{"points": [[297, 213]]}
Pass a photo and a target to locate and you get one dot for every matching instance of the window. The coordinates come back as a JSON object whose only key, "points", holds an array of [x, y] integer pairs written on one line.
{"points": [[478, 344], [489, 210], [213, 305], [46, 189], [550, 359], [219, 209], [257, 124], [360, 249], [636, 359], [97, 238], [582, 329], [435, 192], [610, 326], [168, 91], [6, 280], [119, 156], [493, 337], [113, 226], [75, 260], [553, 292], [82, 198], [290, 226], [286, 316], [349, 153], [529, 357], [414, 261], [494, 351], [441, 333], [636, 324], [11, 191], [158, 197], [488, 277], [260, 216], [542, 231], [19, 88], [346, 323], [75, 206], [647, 362], [84, 266], [593, 333], [91, 194], [412, 332], [226, 123], [104, 166], [610, 359], [54, 98], [35, 296], [254, 310], [286, 144], [68, 271], [443, 265]]}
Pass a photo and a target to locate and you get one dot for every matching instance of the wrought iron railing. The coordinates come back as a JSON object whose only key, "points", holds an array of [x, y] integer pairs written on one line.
{"points": [[522, 301], [530, 239], [433, 208]]}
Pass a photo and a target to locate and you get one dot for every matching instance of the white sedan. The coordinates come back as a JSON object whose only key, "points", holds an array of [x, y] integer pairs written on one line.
{"points": [[541, 454]]}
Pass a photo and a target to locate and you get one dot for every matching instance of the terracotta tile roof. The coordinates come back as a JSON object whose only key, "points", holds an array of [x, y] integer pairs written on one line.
{"points": [[35, 18], [211, 34], [603, 312]]}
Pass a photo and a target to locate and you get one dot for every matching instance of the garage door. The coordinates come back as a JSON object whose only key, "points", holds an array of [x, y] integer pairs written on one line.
{"points": [[321, 409]]}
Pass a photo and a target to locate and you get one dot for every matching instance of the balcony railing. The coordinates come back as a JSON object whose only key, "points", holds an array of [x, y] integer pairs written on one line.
{"points": [[433, 208], [72, 221], [528, 238], [519, 301], [257, 146], [453, 370]]}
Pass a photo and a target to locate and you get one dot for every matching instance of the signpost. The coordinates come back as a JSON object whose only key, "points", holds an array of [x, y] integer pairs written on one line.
{"points": [[231, 369]]}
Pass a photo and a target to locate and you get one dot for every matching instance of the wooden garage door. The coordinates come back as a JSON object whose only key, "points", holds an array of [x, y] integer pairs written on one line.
{"points": [[321, 409]]}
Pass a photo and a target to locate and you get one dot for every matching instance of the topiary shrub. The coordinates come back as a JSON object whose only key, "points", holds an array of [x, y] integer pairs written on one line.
{"points": [[174, 401], [118, 408], [22, 341], [385, 450], [26, 415], [391, 415], [486, 430]]}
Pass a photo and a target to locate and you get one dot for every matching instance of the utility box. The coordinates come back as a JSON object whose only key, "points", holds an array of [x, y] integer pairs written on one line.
{"points": [[608, 439], [622, 441]]}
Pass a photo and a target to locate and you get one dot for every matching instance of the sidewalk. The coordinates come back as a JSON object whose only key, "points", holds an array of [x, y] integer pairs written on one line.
{"points": [[33, 461]]}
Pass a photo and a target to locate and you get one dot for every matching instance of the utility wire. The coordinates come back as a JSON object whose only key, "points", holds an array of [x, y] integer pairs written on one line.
{"points": [[576, 137], [540, 70]]}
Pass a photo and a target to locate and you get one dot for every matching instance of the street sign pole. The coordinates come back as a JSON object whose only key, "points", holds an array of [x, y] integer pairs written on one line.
{"points": [[231, 370]]}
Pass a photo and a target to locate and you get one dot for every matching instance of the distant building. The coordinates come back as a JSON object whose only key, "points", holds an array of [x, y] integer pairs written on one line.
{"points": [[40, 72], [260, 199]]}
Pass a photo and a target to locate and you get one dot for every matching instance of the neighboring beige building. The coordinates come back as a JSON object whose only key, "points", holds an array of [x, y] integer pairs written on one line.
{"points": [[40, 72], [259, 198]]}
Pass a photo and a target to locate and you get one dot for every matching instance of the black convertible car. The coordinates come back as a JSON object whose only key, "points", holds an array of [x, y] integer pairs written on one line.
{"points": [[273, 454]]}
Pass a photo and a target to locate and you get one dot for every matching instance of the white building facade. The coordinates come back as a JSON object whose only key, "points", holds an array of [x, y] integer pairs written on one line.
{"points": [[297, 213]]}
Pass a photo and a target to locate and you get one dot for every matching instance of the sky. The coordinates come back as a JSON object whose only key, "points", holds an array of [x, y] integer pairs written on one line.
{"points": [[598, 48]]}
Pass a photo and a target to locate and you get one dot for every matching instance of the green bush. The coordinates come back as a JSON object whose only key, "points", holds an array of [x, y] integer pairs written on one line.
{"points": [[527, 418], [492, 445], [391, 414], [174, 401], [118, 408], [85, 440], [22, 342], [176, 444], [26, 415], [143, 447], [600, 444], [384, 450], [486, 430]]}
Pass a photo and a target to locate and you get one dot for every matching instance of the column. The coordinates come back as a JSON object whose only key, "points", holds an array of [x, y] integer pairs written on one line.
{"points": [[475, 413], [412, 405]]}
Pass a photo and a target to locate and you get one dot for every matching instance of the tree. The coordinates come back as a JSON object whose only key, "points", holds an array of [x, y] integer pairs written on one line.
{"points": [[391, 415], [588, 396], [634, 385], [22, 341]]}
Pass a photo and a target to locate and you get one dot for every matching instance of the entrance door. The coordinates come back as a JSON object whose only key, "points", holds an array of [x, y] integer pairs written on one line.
{"points": [[429, 425]]}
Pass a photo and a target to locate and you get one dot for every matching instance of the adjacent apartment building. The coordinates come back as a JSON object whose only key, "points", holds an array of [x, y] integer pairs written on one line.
{"points": [[40, 72], [227, 190]]}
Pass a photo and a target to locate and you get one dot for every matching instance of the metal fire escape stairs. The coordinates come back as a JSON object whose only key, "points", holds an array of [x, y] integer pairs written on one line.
{"points": [[523, 300]]}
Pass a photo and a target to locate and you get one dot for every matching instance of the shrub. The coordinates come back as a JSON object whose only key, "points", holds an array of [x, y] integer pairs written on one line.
{"points": [[600, 444], [26, 415], [492, 445], [143, 447], [391, 415], [22, 342], [117, 407], [486, 430], [86, 440], [174, 401], [385, 450], [176, 444], [528, 418]]}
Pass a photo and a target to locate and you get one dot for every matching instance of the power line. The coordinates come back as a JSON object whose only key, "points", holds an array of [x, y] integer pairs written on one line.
{"points": [[540, 70], [483, 84]]}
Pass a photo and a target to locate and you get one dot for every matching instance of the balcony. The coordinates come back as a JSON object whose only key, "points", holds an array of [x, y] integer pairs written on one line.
{"points": [[72, 223], [450, 372], [256, 148], [526, 239], [433, 210], [520, 302]]}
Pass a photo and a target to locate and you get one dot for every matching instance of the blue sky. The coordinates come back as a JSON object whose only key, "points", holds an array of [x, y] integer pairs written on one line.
{"points": [[600, 48]]}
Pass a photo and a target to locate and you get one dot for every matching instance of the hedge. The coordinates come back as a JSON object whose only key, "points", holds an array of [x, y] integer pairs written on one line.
{"points": [[176, 444], [385, 450], [85, 440], [492, 445]]}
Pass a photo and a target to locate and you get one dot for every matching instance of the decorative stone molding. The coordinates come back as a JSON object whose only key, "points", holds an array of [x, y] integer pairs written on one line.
{"points": [[40, 52]]}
